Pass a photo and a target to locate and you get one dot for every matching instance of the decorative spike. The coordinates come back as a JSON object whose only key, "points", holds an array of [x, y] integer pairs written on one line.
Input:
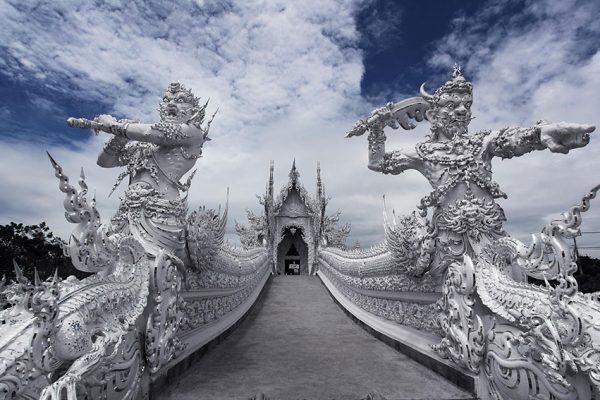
{"points": [[36, 278], [271, 183], [206, 138], [456, 72], [294, 174], [82, 174], [319, 183], [77, 242], [223, 222], [55, 277], [224, 216], [53, 161], [19, 273]]}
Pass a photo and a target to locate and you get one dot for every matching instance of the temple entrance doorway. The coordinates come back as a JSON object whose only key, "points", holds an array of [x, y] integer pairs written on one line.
{"points": [[292, 253], [292, 261]]}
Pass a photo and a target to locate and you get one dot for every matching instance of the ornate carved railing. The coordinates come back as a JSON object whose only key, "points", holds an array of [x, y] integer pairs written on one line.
{"points": [[218, 297], [515, 340], [143, 311], [370, 280]]}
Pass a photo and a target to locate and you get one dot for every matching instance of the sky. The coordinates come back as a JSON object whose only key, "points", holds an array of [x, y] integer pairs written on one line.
{"points": [[289, 78]]}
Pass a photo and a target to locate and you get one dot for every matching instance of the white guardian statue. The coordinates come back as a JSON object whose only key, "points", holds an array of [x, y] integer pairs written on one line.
{"points": [[458, 165], [115, 333], [156, 157], [520, 340]]}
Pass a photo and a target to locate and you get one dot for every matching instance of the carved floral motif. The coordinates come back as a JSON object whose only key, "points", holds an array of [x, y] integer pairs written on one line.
{"points": [[419, 316]]}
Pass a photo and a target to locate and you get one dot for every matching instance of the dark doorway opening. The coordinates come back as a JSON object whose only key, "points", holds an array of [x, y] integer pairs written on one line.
{"points": [[292, 253], [292, 261]]}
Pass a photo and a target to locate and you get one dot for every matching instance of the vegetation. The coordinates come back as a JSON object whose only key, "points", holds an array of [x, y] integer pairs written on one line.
{"points": [[588, 274], [33, 246]]}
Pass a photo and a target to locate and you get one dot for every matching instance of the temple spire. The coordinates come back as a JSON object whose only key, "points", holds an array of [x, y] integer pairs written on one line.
{"points": [[294, 174], [319, 184], [270, 189]]}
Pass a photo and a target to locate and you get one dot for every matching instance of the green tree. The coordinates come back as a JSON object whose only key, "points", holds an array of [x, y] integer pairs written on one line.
{"points": [[588, 274], [33, 246]]}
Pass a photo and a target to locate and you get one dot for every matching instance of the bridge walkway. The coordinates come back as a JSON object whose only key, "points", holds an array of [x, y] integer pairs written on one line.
{"points": [[298, 344]]}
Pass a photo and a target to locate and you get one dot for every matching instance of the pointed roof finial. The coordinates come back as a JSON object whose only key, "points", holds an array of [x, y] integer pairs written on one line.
{"points": [[270, 186], [319, 183], [294, 174]]}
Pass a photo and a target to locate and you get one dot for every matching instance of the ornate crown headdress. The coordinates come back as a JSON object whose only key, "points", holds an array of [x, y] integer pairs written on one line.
{"points": [[458, 83], [198, 111], [177, 87]]}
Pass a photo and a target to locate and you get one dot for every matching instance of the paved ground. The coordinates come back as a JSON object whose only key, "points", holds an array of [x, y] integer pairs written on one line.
{"points": [[298, 344]]}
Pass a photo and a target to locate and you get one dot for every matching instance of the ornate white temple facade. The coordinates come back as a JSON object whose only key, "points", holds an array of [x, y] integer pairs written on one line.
{"points": [[447, 285], [293, 225]]}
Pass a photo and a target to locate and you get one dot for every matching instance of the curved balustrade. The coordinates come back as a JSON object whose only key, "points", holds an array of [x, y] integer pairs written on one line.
{"points": [[399, 298], [142, 313], [224, 298], [506, 338]]}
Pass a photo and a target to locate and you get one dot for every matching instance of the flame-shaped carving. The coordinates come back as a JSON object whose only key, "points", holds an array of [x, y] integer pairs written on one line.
{"points": [[89, 247], [205, 235]]}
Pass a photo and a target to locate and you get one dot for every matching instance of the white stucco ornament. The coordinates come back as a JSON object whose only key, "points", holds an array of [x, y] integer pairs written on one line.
{"points": [[523, 340], [129, 320]]}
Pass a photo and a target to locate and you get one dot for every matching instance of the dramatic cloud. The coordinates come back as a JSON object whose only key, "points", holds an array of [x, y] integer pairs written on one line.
{"points": [[286, 78], [255, 59]]}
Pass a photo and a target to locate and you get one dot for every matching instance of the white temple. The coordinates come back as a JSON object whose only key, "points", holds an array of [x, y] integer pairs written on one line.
{"points": [[447, 286]]}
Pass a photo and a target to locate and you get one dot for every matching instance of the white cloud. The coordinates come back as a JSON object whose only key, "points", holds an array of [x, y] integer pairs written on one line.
{"points": [[275, 70], [254, 59], [286, 78]]}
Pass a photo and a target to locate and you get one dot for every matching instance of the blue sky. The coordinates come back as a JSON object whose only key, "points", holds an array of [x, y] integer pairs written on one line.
{"points": [[289, 78]]}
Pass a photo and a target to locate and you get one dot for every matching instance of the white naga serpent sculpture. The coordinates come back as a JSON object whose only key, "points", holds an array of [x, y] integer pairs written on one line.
{"points": [[108, 335]]}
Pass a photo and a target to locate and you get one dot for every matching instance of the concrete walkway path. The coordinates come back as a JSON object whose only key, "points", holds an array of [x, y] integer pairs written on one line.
{"points": [[298, 344]]}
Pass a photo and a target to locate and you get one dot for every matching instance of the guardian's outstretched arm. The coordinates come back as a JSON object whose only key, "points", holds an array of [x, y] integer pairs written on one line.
{"points": [[558, 137]]}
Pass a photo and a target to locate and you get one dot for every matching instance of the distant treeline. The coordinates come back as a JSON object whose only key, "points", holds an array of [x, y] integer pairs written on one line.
{"points": [[33, 247], [588, 274]]}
